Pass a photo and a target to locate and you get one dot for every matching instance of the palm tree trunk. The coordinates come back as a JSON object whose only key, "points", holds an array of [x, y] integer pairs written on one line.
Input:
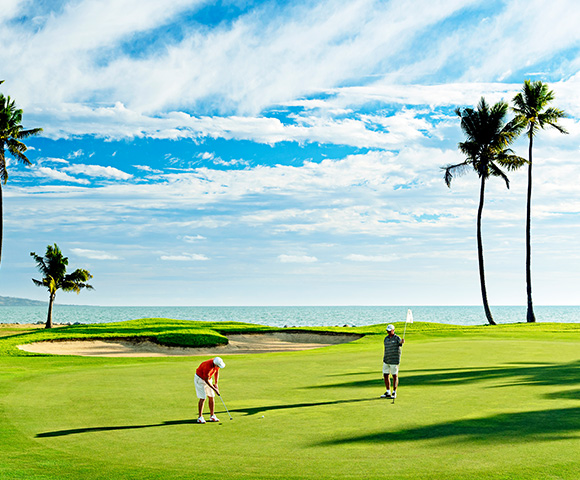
{"points": [[530, 313], [49, 317], [480, 254], [1, 220]]}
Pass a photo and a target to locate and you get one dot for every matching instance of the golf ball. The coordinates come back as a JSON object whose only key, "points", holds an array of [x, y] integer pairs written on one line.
{"points": [[262, 416]]}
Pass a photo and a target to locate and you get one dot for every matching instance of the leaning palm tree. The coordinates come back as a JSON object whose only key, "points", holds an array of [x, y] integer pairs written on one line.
{"points": [[54, 277], [488, 137], [11, 134], [530, 109]]}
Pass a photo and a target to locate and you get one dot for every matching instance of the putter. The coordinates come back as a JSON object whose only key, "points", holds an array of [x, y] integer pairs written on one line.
{"points": [[225, 407]]}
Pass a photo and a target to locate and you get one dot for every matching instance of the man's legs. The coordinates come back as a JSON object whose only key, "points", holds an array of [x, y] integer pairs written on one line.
{"points": [[211, 404], [395, 382], [200, 406], [387, 379]]}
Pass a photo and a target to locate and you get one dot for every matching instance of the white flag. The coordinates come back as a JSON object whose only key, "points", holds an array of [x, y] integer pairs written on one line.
{"points": [[409, 316]]}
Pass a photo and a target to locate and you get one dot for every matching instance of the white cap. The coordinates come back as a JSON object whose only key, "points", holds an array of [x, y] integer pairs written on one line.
{"points": [[219, 362], [390, 328]]}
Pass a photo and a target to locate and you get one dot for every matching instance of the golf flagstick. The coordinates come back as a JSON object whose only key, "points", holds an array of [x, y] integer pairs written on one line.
{"points": [[408, 320]]}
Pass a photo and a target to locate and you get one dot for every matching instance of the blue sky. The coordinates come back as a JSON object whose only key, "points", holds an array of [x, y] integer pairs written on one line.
{"points": [[284, 153]]}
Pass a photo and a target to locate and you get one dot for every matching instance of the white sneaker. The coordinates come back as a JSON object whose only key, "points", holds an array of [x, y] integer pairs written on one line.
{"points": [[394, 395], [201, 420], [387, 394], [213, 418]]}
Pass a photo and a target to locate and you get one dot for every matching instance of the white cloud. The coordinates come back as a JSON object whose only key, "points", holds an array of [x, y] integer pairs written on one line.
{"points": [[500, 39], [185, 257], [75, 154], [42, 160], [372, 258], [10, 8], [230, 163], [191, 238], [296, 259], [94, 254], [147, 168], [269, 56], [58, 175], [272, 56], [370, 74], [98, 171]]}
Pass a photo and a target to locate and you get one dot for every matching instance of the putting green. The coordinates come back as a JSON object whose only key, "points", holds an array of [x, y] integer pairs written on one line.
{"points": [[491, 404]]}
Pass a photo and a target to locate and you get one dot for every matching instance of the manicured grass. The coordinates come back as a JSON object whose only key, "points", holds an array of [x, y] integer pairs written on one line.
{"points": [[474, 403], [15, 329], [160, 330]]}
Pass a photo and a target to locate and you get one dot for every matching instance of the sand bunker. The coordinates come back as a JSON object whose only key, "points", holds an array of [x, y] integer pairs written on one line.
{"points": [[238, 344]]}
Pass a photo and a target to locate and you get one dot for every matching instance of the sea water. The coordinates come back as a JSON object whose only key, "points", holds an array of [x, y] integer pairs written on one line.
{"points": [[291, 316]]}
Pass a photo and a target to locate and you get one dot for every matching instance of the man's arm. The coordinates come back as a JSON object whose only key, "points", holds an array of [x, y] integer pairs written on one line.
{"points": [[214, 388], [216, 377]]}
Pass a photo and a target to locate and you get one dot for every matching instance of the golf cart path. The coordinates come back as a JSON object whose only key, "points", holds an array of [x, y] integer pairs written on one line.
{"points": [[238, 344]]}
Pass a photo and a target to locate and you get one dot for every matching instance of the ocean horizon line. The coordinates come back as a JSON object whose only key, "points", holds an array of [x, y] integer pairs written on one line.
{"points": [[282, 316]]}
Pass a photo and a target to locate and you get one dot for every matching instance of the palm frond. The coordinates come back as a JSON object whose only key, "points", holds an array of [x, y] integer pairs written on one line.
{"points": [[495, 171], [40, 263], [452, 171], [530, 108], [550, 118], [76, 281], [29, 133], [510, 161], [511, 131], [11, 132], [488, 137], [17, 149], [53, 268]]}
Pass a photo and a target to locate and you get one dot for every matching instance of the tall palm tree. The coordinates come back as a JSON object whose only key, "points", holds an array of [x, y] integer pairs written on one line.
{"points": [[54, 277], [11, 134], [488, 137], [530, 109]]}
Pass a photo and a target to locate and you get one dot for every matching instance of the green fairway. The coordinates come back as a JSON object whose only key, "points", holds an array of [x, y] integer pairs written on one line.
{"points": [[474, 403]]}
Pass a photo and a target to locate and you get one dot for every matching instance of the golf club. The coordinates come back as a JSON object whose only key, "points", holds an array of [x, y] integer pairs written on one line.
{"points": [[225, 407]]}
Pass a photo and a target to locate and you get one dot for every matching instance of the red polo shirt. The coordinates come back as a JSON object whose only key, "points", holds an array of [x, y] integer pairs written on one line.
{"points": [[207, 369]]}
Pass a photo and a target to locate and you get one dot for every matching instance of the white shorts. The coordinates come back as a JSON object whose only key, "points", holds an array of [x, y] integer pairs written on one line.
{"points": [[392, 369], [202, 389]]}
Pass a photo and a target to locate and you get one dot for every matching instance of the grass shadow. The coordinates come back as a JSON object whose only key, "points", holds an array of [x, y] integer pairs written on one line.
{"points": [[74, 431], [247, 411], [545, 374], [270, 408], [541, 425], [567, 394]]}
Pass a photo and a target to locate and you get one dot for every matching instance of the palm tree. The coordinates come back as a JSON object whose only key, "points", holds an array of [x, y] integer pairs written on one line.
{"points": [[530, 109], [54, 277], [11, 134], [486, 149]]}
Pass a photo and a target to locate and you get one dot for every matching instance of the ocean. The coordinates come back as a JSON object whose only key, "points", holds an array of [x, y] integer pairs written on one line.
{"points": [[290, 316]]}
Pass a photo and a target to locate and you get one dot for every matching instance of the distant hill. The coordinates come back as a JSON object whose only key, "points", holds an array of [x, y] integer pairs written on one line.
{"points": [[19, 302]]}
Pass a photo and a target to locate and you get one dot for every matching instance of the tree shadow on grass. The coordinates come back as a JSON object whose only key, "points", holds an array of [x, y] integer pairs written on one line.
{"points": [[545, 374], [541, 425], [247, 411], [567, 394], [269, 408], [73, 431]]}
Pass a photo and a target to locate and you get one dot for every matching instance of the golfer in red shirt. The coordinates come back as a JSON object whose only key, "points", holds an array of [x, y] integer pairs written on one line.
{"points": [[206, 388]]}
